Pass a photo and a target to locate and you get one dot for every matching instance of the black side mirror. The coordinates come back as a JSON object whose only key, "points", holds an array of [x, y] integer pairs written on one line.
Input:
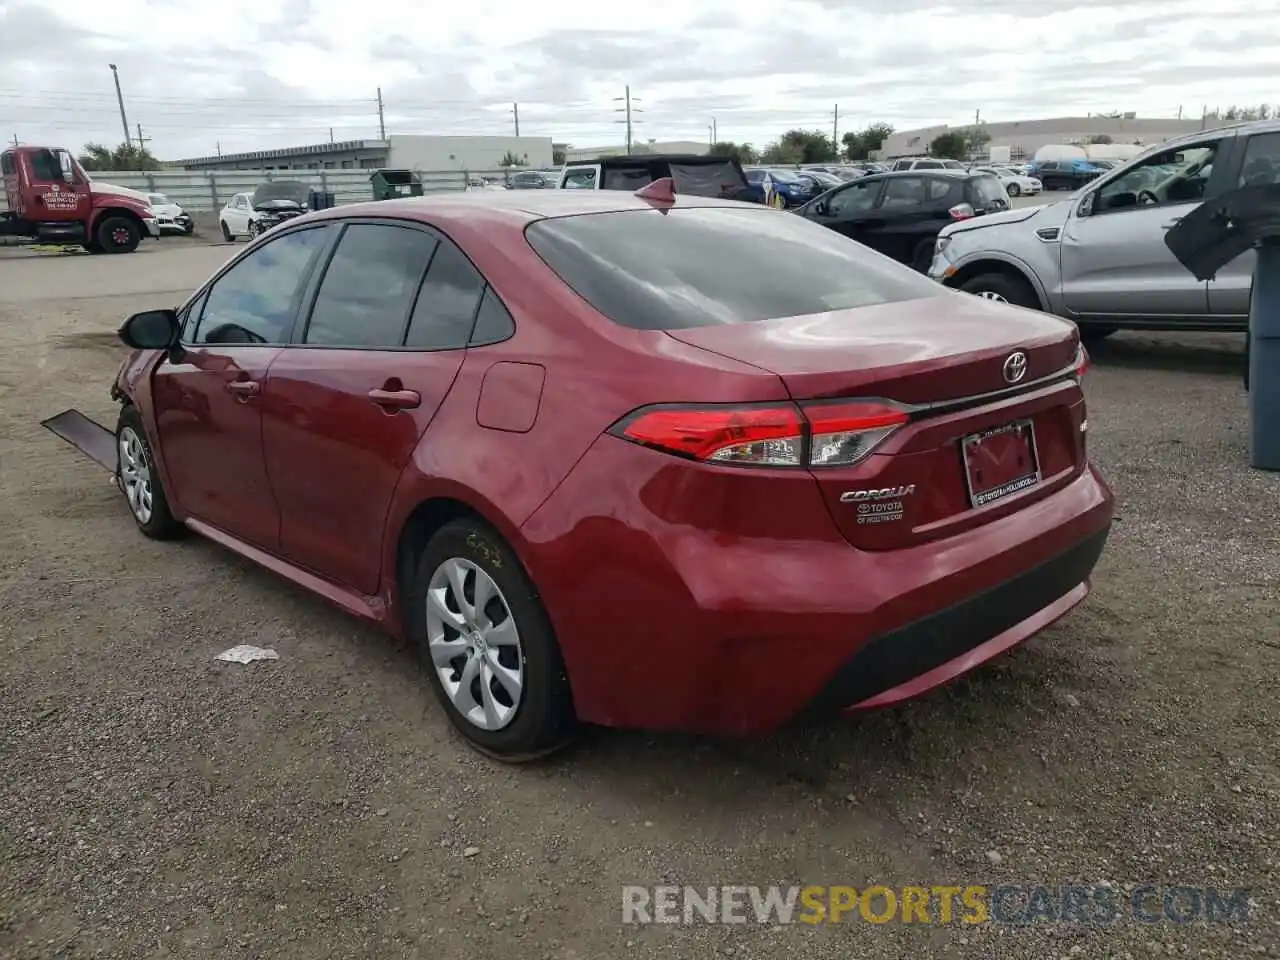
{"points": [[150, 330]]}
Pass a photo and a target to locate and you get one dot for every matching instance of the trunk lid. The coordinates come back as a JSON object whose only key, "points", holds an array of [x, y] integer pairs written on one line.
{"points": [[976, 447], [934, 349]]}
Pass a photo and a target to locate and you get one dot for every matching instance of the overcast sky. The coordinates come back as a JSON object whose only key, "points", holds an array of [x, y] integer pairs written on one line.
{"points": [[255, 74]]}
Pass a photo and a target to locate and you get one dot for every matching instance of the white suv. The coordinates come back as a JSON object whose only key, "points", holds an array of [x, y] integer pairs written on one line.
{"points": [[927, 163]]}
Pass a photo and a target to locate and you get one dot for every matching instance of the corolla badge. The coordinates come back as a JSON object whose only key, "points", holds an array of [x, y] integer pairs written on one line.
{"points": [[884, 493], [1015, 367]]}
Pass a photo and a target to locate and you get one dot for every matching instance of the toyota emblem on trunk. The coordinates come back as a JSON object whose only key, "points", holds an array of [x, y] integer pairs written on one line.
{"points": [[1015, 367]]}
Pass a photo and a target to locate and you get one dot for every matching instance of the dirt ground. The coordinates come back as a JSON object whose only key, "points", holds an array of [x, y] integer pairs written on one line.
{"points": [[154, 803]]}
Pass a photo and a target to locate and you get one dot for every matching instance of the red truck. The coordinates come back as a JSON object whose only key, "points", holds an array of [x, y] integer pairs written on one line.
{"points": [[52, 200]]}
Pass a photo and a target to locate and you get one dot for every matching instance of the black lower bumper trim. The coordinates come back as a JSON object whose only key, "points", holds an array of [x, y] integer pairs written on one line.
{"points": [[89, 437], [894, 658]]}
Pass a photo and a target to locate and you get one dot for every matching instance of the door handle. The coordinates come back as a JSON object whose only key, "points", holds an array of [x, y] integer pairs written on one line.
{"points": [[392, 400], [243, 389]]}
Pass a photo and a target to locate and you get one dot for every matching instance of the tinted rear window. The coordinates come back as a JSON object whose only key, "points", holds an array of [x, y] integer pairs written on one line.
{"points": [[702, 266]]}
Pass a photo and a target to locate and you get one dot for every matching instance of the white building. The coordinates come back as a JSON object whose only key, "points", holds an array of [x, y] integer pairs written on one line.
{"points": [[411, 152], [432, 154], [649, 146]]}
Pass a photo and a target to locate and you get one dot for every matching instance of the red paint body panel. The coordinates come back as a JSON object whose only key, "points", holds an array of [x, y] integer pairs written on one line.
{"points": [[334, 457], [684, 595], [212, 440]]}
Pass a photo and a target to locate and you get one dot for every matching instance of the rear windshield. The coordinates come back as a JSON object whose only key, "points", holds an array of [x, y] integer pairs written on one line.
{"points": [[697, 267], [987, 187]]}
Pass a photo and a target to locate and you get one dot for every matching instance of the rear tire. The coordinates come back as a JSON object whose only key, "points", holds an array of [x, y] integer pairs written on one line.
{"points": [[227, 235], [1004, 288], [139, 480], [451, 636], [118, 235]]}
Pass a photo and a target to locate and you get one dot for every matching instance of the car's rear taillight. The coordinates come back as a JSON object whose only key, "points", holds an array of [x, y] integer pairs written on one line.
{"points": [[1082, 362], [961, 211], [819, 434]]}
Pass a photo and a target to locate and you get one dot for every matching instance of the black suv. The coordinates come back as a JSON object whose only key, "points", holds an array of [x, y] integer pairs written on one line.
{"points": [[900, 214], [701, 176]]}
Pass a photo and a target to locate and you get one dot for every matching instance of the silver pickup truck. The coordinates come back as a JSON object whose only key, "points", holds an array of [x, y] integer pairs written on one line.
{"points": [[1098, 257]]}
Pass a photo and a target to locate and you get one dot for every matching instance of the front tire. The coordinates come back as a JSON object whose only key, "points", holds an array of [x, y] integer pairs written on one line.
{"points": [[1014, 190], [1002, 288], [487, 645], [118, 235], [139, 480]]}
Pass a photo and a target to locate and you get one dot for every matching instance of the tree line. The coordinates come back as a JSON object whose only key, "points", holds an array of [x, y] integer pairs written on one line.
{"points": [[813, 146]]}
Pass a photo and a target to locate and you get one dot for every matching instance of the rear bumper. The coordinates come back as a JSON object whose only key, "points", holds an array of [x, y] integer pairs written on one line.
{"points": [[738, 620], [935, 649]]}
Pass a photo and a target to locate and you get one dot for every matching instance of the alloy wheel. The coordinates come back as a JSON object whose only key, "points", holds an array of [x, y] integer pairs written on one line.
{"points": [[992, 295], [474, 644], [135, 474]]}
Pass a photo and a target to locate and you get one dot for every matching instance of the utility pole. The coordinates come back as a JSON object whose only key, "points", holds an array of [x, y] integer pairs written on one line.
{"points": [[835, 129], [515, 110], [977, 117], [715, 134], [142, 141], [14, 141], [382, 121], [627, 100], [331, 134], [711, 136], [219, 147], [124, 121]]}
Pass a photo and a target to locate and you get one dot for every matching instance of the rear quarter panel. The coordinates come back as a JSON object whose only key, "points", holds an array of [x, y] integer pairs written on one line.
{"points": [[596, 372]]}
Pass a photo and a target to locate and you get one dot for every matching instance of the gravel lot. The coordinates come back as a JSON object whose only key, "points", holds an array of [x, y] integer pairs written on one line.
{"points": [[154, 803]]}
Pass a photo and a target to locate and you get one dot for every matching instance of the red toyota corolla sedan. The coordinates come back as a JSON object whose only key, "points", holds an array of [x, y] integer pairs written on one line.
{"points": [[632, 460]]}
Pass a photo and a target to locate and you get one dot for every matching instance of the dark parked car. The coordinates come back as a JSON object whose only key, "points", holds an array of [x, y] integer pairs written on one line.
{"points": [[901, 213], [1065, 174], [534, 180], [610, 458], [691, 174]]}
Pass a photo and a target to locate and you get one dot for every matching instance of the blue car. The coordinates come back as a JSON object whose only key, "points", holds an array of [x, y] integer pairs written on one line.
{"points": [[779, 187], [1064, 174]]}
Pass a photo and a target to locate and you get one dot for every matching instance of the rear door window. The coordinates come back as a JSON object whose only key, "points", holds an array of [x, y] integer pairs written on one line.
{"points": [[940, 190], [903, 193], [445, 313], [987, 189], [692, 267], [369, 287]]}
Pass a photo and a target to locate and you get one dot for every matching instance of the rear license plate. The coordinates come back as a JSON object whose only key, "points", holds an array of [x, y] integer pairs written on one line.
{"points": [[1000, 462]]}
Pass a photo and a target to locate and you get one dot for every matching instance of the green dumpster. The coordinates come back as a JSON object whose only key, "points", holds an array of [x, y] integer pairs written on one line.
{"points": [[390, 184]]}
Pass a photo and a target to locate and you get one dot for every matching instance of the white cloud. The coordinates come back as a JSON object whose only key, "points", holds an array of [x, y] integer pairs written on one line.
{"points": [[248, 75]]}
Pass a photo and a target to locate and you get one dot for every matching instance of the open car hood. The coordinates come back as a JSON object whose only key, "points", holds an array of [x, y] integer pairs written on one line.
{"points": [[281, 195]]}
